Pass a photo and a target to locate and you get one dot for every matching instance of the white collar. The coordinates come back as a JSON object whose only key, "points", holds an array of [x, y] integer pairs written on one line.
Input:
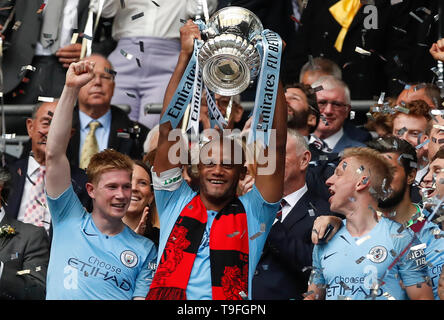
{"points": [[291, 200], [295, 196], [33, 166], [334, 138]]}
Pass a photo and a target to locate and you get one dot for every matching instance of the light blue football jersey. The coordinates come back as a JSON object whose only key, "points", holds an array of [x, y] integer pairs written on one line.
{"points": [[351, 267], [85, 264]]}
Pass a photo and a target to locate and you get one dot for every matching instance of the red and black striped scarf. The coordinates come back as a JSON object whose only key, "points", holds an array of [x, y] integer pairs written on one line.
{"points": [[228, 253]]}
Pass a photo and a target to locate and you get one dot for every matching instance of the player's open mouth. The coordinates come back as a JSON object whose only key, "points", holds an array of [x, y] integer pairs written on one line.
{"points": [[135, 198], [217, 181], [118, 205]]}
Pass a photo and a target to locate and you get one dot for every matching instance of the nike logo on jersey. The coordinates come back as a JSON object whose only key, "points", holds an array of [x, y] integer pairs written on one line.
{"points": [[325, 257], [88, 234]]}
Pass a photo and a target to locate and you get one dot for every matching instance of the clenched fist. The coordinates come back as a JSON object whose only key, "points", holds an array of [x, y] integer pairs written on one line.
{"points": [[79, 74]]}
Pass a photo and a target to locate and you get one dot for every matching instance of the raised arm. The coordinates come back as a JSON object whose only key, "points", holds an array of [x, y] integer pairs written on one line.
{"points": [[188, 33], [58, 177], [271, 185]]}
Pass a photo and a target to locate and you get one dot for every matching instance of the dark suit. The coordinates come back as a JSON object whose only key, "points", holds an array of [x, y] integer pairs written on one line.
{"points": [[18, 172], [346, 142], [28, 249], [23, 40], [366, 75], [132, 146], [287, 251]]}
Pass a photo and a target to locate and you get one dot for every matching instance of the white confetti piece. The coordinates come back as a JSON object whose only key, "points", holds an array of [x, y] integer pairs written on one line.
{"points": [[362, 240]]}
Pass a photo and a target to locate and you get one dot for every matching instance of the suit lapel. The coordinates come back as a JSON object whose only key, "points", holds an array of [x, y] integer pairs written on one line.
{"points": [[298, 212], [5, 240], [18, 183]]}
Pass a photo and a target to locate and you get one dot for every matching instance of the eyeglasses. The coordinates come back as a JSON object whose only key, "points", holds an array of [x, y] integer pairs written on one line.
{"points": [[335, 104]]}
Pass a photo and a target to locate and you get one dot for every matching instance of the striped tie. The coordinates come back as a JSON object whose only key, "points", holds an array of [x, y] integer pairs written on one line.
{"points": [[90, 146]]}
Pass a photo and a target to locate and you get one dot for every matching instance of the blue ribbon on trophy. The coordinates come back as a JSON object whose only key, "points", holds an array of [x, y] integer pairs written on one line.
{"points": [[183, 94], [266, 91]]}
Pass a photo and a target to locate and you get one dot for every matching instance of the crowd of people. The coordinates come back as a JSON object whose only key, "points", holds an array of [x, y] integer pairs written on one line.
{"points": [[97, 208]]}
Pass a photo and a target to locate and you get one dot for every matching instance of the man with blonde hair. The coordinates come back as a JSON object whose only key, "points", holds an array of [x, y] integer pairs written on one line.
{"points": [[370, 254], [93, 256]]}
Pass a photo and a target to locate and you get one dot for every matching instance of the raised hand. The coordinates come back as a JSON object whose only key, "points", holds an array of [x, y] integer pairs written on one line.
{"points": [[437, 50], [141, 227], [79, 74], [188, 33], [69, 54]]}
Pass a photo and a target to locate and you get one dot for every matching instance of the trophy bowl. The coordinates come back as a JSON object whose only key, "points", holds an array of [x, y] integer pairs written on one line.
{"points": [[229, 58]]}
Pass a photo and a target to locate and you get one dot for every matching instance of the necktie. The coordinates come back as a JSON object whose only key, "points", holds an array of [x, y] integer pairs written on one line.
{"points": [[344, 12], [36, 206], [90, 146], [52, 21]]}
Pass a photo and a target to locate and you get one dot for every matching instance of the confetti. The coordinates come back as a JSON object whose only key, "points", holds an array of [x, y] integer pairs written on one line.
{"points": [[231, 235], [352, 115], [311, 212], [131, 95], [399, 29], [381, 98], [437, 126], [402, 109], [316, 89], [126, 54], [419, 146], [141, 47], [45, 99], [111, 72], [362, 51], [262, 227], [242, 293], [137, 16], [360, 260], [138, 63], [256, 235], [362, 240], [401, 131], [27, 67], [157, 5], [393, 2], [412, 14], [22, 272], [360, 169], [388, 296], [16, 25]]}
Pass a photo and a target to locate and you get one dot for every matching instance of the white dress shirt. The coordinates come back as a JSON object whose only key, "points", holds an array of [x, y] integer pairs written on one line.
{"points": [[331, 141], [33, 169], [161, 21], [291, 200]]}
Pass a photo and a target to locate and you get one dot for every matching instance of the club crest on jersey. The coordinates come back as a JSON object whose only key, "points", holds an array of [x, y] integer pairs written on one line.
{"points": [[129, 258], [377, 254]]}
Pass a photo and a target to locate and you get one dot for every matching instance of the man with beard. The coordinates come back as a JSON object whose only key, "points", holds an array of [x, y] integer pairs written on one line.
{"points": [[303, 116], [303, 111], [211, 241]]}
